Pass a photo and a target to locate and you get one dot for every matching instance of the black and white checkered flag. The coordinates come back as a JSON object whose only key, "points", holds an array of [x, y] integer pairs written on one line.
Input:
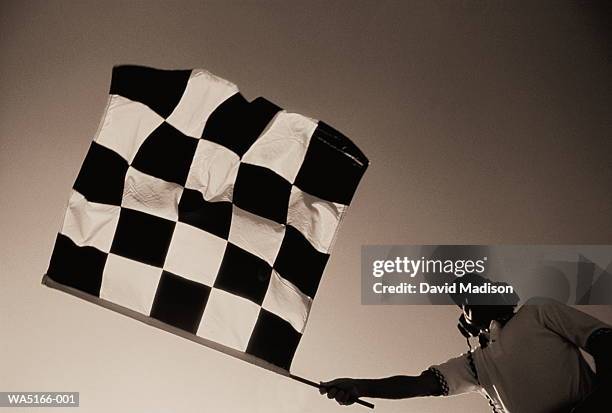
{"points": [[205, 214]]}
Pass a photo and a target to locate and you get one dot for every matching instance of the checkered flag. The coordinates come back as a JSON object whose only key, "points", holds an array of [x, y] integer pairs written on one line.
{"points": [[205, 214]]}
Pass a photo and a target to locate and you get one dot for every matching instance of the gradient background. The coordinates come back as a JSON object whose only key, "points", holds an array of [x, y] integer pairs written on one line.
{"points": [[485, 122]]}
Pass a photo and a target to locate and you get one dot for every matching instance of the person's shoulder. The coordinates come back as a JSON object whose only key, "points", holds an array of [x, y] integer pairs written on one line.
{"points": [[526, 312], [540, 302], [538, 307]]}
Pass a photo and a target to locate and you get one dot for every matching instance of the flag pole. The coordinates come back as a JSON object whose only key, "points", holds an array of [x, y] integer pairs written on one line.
{"points": [[313, 384]]}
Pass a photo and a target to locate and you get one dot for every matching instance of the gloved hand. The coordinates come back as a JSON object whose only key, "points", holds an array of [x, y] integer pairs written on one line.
{"points": [[345, 390]]}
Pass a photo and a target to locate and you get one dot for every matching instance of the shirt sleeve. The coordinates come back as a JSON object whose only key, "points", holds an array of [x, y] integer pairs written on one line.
{"points": [[570, 323], [455, 376]]}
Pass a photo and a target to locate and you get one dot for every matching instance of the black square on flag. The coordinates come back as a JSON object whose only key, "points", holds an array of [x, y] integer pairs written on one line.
{"points": [[273, 340], [77, 267], [102, 175], [238, 137], [180, 302], [142, 237], [213, 217], [243, 274], [299, 262], [328, 172], [167, 154], [262, 191], [161, 90]]}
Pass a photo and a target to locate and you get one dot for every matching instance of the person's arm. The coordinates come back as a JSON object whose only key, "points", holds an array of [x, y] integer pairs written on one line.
{"points": [[345, 391], [584, 331], [599, 345], [449, 378]]}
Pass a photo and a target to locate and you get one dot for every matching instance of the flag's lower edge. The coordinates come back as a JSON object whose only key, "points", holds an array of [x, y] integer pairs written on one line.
{"points": [[47, 281]]}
